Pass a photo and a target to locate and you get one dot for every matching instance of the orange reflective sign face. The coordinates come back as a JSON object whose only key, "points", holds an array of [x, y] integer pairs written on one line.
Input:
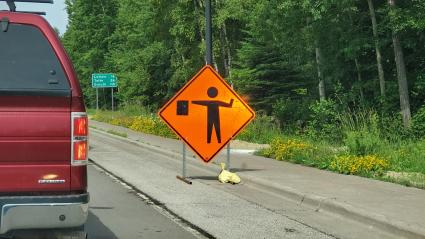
{"points": [[206, 113]]}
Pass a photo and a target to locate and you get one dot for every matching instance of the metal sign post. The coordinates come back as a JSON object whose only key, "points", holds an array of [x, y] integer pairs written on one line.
{"points": [[183, 177], [228, 157], [184, 161], [112, 97], [228, 147], [102, 80], [97, 98]]}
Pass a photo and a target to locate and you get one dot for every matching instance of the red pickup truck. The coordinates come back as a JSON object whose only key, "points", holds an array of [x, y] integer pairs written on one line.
{"points": [[43, 130]]}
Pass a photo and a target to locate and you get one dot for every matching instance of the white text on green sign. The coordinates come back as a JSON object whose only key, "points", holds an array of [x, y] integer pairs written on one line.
{"points": [[104, 80]]}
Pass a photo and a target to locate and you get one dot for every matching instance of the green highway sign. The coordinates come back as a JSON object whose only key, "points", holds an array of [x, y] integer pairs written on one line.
{"points": [[104, 80]]}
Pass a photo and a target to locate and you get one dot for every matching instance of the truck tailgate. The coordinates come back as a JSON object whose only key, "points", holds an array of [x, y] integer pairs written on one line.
{"points": [[35, 143]]}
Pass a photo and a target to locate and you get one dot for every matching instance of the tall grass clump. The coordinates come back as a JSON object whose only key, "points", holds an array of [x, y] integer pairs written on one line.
{"points": [[361, 133], [136, 110], [261, 130]]}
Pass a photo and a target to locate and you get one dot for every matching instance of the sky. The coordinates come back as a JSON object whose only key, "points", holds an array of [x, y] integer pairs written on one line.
{"points": [[55, 13]]}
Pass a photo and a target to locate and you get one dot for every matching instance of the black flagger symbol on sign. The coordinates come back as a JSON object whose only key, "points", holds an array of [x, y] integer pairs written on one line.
{"points": [[213, 112], [213, 115]]}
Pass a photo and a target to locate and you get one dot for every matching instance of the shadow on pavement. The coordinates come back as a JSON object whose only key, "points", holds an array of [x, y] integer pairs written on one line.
{"points": [[101, 208], [211, 178], [96, 229], [236, 170]]}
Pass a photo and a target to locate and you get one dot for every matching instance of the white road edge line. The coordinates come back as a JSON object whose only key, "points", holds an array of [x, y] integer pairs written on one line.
{"points": [[163, 211]]}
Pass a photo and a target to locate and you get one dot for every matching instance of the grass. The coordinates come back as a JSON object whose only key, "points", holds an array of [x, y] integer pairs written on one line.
{"points": [[121, 134], [135, 119], [366, 149], [91, 111], [403, 163], [260, 130], [407, 179], [363, 149]]}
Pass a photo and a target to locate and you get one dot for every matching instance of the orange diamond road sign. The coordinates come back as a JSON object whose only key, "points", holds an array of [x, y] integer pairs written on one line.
{"points": [[206, 113]]}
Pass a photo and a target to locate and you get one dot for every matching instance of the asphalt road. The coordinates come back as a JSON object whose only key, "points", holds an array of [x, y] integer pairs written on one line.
{"points": [[216, 208], [117, 211]]}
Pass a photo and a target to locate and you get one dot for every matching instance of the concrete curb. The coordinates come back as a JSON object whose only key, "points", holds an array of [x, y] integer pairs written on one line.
{"points": [[318, 203]]}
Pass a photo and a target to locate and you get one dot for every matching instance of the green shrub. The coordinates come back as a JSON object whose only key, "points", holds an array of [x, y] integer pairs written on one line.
{"points": [[418, 123], [323, 122], [292, 114], [281, 149], [121, 121], [162, 129], [143, 124], [392, 129]]}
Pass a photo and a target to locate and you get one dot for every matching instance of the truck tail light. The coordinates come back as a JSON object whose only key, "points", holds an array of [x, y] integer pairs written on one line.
{"points": [[79, 138], [80, 150], [80, 126]]}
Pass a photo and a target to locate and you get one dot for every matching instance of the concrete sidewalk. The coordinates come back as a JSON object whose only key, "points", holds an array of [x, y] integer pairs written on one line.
{"points": [[392, 208]]}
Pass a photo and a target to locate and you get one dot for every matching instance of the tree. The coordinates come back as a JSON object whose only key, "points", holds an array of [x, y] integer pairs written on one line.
{"points": [[264, 69], [377, 48], [401, 75], [87, 39], [319, 65], [139, 53], [282, 54]]}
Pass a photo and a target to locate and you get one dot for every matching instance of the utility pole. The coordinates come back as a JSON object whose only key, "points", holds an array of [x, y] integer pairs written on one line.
{"points": [[208, 33]]}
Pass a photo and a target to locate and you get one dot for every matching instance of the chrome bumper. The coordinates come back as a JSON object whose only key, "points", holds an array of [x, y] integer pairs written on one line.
{"points": [[44, 213]]}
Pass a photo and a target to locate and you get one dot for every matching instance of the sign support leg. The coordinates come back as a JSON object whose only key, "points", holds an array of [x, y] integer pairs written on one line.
{"points": [[184, 161], [228, 157], [183, 177], [97, 98]]}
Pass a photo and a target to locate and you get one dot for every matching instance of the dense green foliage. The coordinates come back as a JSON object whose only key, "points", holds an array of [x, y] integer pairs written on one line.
{"points": [[272, 51], [88, 38]]}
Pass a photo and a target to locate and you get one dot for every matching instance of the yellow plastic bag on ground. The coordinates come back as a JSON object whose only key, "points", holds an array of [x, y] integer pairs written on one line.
{"points": [[228, 177]]}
